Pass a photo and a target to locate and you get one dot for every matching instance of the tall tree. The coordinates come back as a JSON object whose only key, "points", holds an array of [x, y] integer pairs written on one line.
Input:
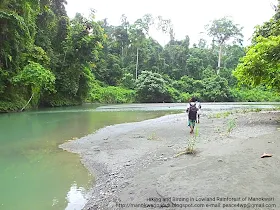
{"points": [[222, 30]]}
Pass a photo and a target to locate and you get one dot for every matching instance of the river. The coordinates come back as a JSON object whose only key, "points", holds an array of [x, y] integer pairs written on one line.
{"points": [[36, 174]]}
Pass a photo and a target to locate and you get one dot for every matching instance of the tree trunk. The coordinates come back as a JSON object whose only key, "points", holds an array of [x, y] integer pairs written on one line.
{"points": [[136, 70], [122, 55], [27, 102], [219, 60], [122, 50]]}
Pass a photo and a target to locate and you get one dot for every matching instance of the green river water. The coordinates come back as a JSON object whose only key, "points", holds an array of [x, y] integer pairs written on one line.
{"points": [[35, 173]]}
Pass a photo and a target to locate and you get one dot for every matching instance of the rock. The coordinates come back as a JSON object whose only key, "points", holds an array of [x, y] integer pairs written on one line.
{"points": [[165, 159], [220, 160]]}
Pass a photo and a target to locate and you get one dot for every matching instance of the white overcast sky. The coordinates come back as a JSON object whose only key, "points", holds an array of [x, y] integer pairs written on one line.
{"points": [[188, 16]]}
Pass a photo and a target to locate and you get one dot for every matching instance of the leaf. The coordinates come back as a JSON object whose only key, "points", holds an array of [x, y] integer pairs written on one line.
{"points": [[266, 155]]}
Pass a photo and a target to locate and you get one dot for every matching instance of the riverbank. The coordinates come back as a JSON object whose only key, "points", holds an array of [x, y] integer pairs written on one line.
{"points": [[136, 162]]}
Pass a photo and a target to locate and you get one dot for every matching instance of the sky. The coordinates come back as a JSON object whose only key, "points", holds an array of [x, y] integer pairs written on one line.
{"points": [[189, 17]]}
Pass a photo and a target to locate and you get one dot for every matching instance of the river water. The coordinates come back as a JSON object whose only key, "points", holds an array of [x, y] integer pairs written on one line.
{"points": [[36, 174]]}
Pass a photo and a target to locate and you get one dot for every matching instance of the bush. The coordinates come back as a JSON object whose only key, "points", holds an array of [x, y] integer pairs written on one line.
{"points": [[173, 95], [254, 95], [111, 95], [57, 100], [12, 104], [184, 97]]}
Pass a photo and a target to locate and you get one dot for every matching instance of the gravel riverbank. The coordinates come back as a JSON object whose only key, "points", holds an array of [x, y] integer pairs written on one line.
{"points": [[136, 163]]}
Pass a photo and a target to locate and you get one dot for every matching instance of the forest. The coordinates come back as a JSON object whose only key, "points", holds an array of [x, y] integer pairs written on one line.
{"points": [[50, 60]]}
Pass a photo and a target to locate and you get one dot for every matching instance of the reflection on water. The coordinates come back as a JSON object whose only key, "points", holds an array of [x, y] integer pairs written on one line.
{"points": [[76, 198]]}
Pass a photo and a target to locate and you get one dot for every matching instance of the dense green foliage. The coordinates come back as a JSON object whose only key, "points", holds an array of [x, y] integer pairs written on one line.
{"points": [[261, 65], [49, 60], [111, 95], [45, 54]]}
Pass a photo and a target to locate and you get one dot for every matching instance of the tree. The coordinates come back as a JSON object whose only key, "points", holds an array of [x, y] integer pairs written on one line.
{"points": [[128, 81], [222, 30], [233, 53], [37, 78], [138, 32], [82, 48], [151, 87], [175, 56], [188, 85], [215, 88], [261, 65], [166, 26]]}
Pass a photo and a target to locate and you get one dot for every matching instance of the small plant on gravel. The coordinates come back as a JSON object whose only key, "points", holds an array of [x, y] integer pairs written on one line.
{"points": [[231, 125], [153, 137], [218, 115], [191, 145], [226, 114], [244, 111], [192, 142]]}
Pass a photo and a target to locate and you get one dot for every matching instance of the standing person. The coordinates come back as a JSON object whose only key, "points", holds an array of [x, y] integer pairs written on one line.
{"points": [[198, 106], [192, 113]]}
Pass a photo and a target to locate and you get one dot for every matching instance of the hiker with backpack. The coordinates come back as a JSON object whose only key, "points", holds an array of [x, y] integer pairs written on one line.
{"points": [[192, 110]]}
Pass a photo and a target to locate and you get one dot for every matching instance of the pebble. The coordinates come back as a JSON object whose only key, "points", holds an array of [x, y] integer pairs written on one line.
{"points": [[111, 205]]}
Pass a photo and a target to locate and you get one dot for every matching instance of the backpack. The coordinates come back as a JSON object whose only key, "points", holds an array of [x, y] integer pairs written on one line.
{"points": [[192, 112]]}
